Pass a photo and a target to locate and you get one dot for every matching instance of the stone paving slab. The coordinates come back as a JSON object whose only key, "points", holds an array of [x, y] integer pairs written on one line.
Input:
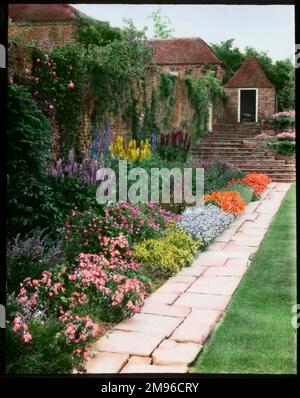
{"points": [[175, 321], [144, 368], [106, 362], [133, 343], [170, 352], [203, 301], [227, 270], [174, 287], [215, 285], [163, 298], [196, 327], [151, 324], [166, 310], [183, 278]]}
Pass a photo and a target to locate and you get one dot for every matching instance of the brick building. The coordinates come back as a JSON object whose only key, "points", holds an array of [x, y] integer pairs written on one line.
{"points": [[48, 25], [251, 96], [186, 57]]}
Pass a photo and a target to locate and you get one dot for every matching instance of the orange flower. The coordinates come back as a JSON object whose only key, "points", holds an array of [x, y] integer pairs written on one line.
{"points": [[257, 181], [229, 201]]}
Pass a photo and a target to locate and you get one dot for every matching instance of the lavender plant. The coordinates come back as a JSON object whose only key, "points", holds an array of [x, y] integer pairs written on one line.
{"points": [[29, 257]]}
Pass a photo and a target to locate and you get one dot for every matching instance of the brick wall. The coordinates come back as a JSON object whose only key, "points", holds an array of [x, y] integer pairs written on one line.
{"points": [[194, 70], [229, 113], [47, 34], [266, 102]]}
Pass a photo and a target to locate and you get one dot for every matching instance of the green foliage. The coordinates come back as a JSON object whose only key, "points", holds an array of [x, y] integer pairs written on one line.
{"points": [[202, 92], [29, 134], [93, 32], [169, 254], [286, 147], [52, 76], [47, 353], [282, 123], [174, 146], [245, 192], [161, 25], [166, 93], [29, 146], [217, 174], [231, 56], [29, 256], [149, 123]]}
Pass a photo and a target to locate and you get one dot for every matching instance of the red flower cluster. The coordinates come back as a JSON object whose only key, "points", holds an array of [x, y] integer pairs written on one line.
{"points": [[229, 201], [256, 181]]}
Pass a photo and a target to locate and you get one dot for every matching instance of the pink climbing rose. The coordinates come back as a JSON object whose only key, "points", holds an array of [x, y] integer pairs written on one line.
{"points": [[71, 85]]}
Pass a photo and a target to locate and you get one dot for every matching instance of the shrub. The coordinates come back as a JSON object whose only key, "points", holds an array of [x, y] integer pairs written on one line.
{"points": [[286, 136], [29, 145], [174, 146], [283, 120], [256, 181], [110, 289], [85, 231], [205, 222], [230, 202], [29, 256], [284, 147], [217, 174], [169, 254], [47, 353], [245, 192]]}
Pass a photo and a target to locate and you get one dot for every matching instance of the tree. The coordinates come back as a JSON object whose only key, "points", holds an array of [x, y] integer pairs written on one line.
{"points": [[161, 25]]}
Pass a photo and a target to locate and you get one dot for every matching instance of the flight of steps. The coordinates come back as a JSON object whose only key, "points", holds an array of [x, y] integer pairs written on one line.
{"points": [[226, 143]]}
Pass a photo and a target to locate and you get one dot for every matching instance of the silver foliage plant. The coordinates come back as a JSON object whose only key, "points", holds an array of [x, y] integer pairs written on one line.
{"points": [[205, 222]]}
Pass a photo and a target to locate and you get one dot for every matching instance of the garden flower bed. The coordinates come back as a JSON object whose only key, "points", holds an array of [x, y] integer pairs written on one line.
{"points": [[113, 258]]}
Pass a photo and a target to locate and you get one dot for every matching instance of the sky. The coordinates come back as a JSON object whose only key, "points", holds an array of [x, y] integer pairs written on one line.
{"points": [[266, 28]]}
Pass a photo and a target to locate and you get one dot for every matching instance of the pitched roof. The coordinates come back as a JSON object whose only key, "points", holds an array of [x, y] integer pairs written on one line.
{"points": [[249, 75], [191, 50], [41, 12]]}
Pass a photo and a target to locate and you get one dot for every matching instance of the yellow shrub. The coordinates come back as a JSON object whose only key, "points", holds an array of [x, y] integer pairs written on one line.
{"points": [[169, 254]]}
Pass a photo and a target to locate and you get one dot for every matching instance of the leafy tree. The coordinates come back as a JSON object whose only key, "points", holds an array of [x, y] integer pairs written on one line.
{"points": [[161, 25], [93, 32], [231, 56]]}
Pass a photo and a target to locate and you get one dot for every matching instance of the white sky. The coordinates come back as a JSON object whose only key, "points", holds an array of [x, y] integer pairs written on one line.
{"points": [[267, 28]]}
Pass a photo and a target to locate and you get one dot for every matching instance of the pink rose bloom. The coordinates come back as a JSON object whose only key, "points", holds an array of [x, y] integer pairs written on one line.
{"points": [[51, 106], [27, 337], [71, 85]]}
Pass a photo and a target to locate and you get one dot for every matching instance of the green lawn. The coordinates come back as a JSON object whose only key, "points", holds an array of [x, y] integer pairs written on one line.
{"points": [[256, 334]]}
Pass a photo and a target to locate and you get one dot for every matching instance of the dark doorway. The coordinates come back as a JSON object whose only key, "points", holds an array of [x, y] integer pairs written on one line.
{"points": [[247, 106]]}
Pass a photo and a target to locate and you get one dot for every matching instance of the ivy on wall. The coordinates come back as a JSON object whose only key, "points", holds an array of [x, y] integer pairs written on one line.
{"points": [[203, 91], [166, 93]]}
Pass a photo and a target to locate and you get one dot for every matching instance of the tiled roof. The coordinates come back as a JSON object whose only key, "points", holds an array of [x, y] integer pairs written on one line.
{"points": [[183, 51], [41, 12], [249, 75]]}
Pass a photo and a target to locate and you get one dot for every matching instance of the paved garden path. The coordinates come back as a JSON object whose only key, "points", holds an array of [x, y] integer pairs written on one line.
{"points": [[169, 332]]}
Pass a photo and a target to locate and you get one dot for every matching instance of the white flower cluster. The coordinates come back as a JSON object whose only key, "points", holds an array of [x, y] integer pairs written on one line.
{"points": [[205, 222]]}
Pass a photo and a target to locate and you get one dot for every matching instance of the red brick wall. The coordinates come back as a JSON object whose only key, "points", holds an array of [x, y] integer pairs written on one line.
{"points": [[194, 70], [47, 34], [266, 105]]}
